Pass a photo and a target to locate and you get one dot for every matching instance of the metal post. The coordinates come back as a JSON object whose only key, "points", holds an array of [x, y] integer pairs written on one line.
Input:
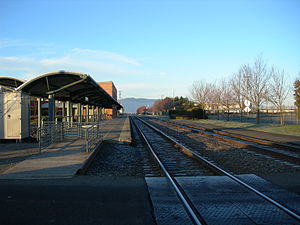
{"points": [[39, 112], [86, 141], [62, 131], [51, 108], [51, 133], [103, 113], [79, 113], [63, 111], [93, 113], [70, 112], [98, 125], [97, 112], [40, 139], [87, 113]]}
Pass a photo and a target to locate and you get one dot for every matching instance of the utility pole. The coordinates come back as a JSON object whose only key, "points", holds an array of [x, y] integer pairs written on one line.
{"points": [[120, 96], [120, 101]]}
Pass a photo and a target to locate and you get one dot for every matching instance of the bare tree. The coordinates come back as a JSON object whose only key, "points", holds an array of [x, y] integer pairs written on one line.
{"points": [[278, 90], [201, 93], [257, 78], [226, 96], [215, 98], [238, 86]]}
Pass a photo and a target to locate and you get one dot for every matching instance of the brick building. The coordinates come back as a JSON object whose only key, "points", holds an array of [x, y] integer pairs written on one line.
{"points": [[110, 88]]}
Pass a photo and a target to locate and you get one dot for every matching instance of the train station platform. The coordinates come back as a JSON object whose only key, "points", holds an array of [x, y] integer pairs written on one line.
{"points": [[117, 130], [281, 138], [64, 159]]}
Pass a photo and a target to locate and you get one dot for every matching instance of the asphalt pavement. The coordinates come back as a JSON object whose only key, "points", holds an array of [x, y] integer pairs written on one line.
{"points": [[84, 200]]}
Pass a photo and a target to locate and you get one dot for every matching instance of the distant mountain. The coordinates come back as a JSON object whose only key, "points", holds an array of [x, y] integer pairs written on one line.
{"points": [[131, 104]]}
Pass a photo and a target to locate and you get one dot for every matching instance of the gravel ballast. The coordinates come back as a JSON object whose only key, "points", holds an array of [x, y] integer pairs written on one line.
{"points": [[116, 160], [236, 160]]}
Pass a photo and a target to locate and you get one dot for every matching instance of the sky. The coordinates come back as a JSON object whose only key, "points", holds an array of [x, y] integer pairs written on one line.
{"points": [[149, 49]]}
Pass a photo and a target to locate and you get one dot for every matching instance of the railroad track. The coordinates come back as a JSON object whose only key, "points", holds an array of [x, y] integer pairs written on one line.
{"points": [[155, 145], [175, 162], [280, 151]]}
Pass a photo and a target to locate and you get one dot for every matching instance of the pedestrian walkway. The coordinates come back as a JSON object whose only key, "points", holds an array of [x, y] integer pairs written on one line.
{"points": [[287, 139], [61, 160], [64, 159]]}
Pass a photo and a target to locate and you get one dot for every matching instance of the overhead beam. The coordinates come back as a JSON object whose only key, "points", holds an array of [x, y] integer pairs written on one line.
{"points": [[66, 86]]}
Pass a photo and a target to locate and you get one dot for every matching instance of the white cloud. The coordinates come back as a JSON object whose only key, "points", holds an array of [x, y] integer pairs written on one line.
{"points": [[94, 62], [104, 55], [5, 43], [129, 74]]}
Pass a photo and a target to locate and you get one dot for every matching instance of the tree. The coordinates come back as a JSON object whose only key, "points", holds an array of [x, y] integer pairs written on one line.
{"points": [[167, 104], [201, 93], [297, 95], [141, 110], [163, 105], [215, 98], [278, 90], [226, 96], [256, 87], [181, 103], [238, 86]]}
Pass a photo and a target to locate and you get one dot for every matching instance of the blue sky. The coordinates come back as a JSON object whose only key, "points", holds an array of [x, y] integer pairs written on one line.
{"points": [[148, 48]]}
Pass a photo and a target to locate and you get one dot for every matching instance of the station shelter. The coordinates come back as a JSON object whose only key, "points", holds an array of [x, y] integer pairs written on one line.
{"points": [[68, 96]]}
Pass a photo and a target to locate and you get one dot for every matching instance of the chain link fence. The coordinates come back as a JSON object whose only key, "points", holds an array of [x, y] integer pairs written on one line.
{"points": [[290, 118]]}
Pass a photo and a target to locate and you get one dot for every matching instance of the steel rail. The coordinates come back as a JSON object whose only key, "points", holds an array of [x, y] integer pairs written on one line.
{"points": [[187, 204], [239, 142], [256, 140], [222, 171]]}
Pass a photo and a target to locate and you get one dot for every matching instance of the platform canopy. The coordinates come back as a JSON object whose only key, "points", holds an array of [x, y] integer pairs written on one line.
{"points": [[10, 82], [69, 86]]}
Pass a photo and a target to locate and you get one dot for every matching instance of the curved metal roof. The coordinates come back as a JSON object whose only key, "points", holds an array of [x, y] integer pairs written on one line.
{"points": [[69, 86], [10, 81]]}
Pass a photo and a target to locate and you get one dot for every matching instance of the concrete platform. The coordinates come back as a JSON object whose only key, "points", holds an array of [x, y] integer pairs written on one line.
{"points": [[65, 159], [220, 201], [61, 160], [117, 130]]}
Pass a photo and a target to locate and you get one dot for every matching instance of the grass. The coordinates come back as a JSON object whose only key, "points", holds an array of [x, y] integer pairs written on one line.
{"points": [[266, 127], [271, 128]]}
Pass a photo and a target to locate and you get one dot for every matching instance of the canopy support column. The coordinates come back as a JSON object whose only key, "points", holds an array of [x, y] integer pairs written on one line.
{"points": [[87, 113], [70, 112], [93, 113], [97, 113], [63, 111], [39, 119], [79, 113], [51, 108]]}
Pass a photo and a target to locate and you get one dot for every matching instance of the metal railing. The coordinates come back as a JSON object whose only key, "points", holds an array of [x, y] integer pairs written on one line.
{"points": [[92, 136], [53, 132], [49, 134]]}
